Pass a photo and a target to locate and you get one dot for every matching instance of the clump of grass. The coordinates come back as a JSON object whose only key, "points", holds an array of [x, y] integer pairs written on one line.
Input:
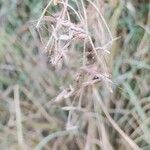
{"points": [[77, 78], [92, 69]]}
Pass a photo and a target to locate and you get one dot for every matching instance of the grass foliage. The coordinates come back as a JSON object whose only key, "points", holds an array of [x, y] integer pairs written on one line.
{"points": [[74, 74]]}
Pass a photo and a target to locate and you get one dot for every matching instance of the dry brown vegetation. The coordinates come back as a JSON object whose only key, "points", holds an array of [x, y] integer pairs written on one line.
{"points": [[77, 77]]}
